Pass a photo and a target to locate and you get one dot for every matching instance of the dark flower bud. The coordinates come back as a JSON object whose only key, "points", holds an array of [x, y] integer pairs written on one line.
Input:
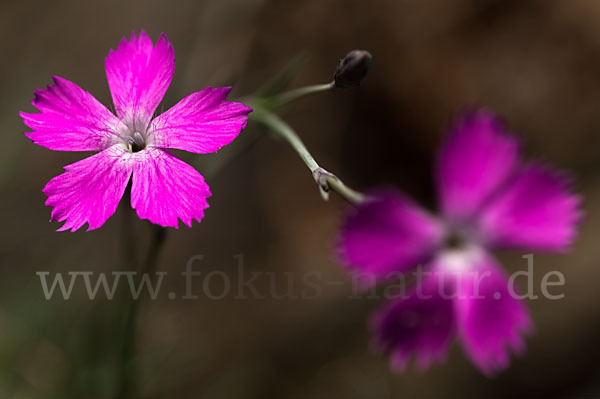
{"points": [[352, 69]]}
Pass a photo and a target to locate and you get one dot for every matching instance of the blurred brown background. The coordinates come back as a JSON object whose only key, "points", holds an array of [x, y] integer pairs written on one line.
{"points": [[537, 63]]}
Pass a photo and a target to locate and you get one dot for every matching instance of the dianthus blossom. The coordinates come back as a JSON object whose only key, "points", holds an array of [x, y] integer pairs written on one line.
{"points": [[133, 143], [489, 199]]}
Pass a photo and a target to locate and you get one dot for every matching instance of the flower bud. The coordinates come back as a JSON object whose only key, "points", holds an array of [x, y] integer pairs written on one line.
{"points": [[352, 69]]}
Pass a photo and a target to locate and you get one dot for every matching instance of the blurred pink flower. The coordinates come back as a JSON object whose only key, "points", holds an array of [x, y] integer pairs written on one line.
{"points": [[132, 143], [489, 199]]}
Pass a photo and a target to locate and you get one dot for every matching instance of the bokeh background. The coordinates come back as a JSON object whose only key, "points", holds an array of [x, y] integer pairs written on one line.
{"points": [[536, 63]]}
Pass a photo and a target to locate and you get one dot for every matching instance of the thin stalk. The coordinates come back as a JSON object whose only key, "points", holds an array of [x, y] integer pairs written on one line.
{"points": [[325, 180], [259, 104], [283, 130], [350, 195], [292, 95], [129, 247], [127, 387]]}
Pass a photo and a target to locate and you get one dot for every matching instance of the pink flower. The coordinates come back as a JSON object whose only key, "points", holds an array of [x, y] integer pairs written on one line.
{"points": [[132, 143], [489, 199]]}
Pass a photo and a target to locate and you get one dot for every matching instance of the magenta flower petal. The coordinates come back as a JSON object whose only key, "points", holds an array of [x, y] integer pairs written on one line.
{"points": [[166, 189], [71, 119], [420, 324], [535, 211], [202, 122], [491, 322], [138, 75], [89, 190], [388, 233], [474, 161]]}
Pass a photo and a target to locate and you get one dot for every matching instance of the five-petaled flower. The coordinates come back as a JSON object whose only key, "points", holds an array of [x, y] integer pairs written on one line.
{"points": [[489, 199], [132, 143]]}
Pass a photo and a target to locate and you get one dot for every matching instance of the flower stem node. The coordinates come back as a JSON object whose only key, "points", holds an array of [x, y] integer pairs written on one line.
{"points": [[352, 69], [322, 177]]}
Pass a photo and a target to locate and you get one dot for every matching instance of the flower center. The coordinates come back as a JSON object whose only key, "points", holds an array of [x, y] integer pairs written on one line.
{"points": [[136, 141], [460, 237], [455, 240]]}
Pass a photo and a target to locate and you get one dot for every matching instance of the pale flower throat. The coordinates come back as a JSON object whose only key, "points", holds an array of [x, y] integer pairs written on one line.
{"points": [[136, 142]]}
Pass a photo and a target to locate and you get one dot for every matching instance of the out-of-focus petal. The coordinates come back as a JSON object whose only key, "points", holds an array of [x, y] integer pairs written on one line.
{"points": [[71, 119], [421, 324], [89, 190], [202, 122], [491, 322], [535, 211], [476, 158], [388, 233], [166, 189], [138, 75]]}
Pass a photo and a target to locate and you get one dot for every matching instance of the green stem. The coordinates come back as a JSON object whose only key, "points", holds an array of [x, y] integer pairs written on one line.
{"points": [[129, 247], [127, 387], [350, 195], [325, 180], [279, 126], [292, 95]]}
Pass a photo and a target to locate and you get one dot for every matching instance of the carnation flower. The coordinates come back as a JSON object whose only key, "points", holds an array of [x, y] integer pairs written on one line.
{"points": [[133, 143], [489, 199]]}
